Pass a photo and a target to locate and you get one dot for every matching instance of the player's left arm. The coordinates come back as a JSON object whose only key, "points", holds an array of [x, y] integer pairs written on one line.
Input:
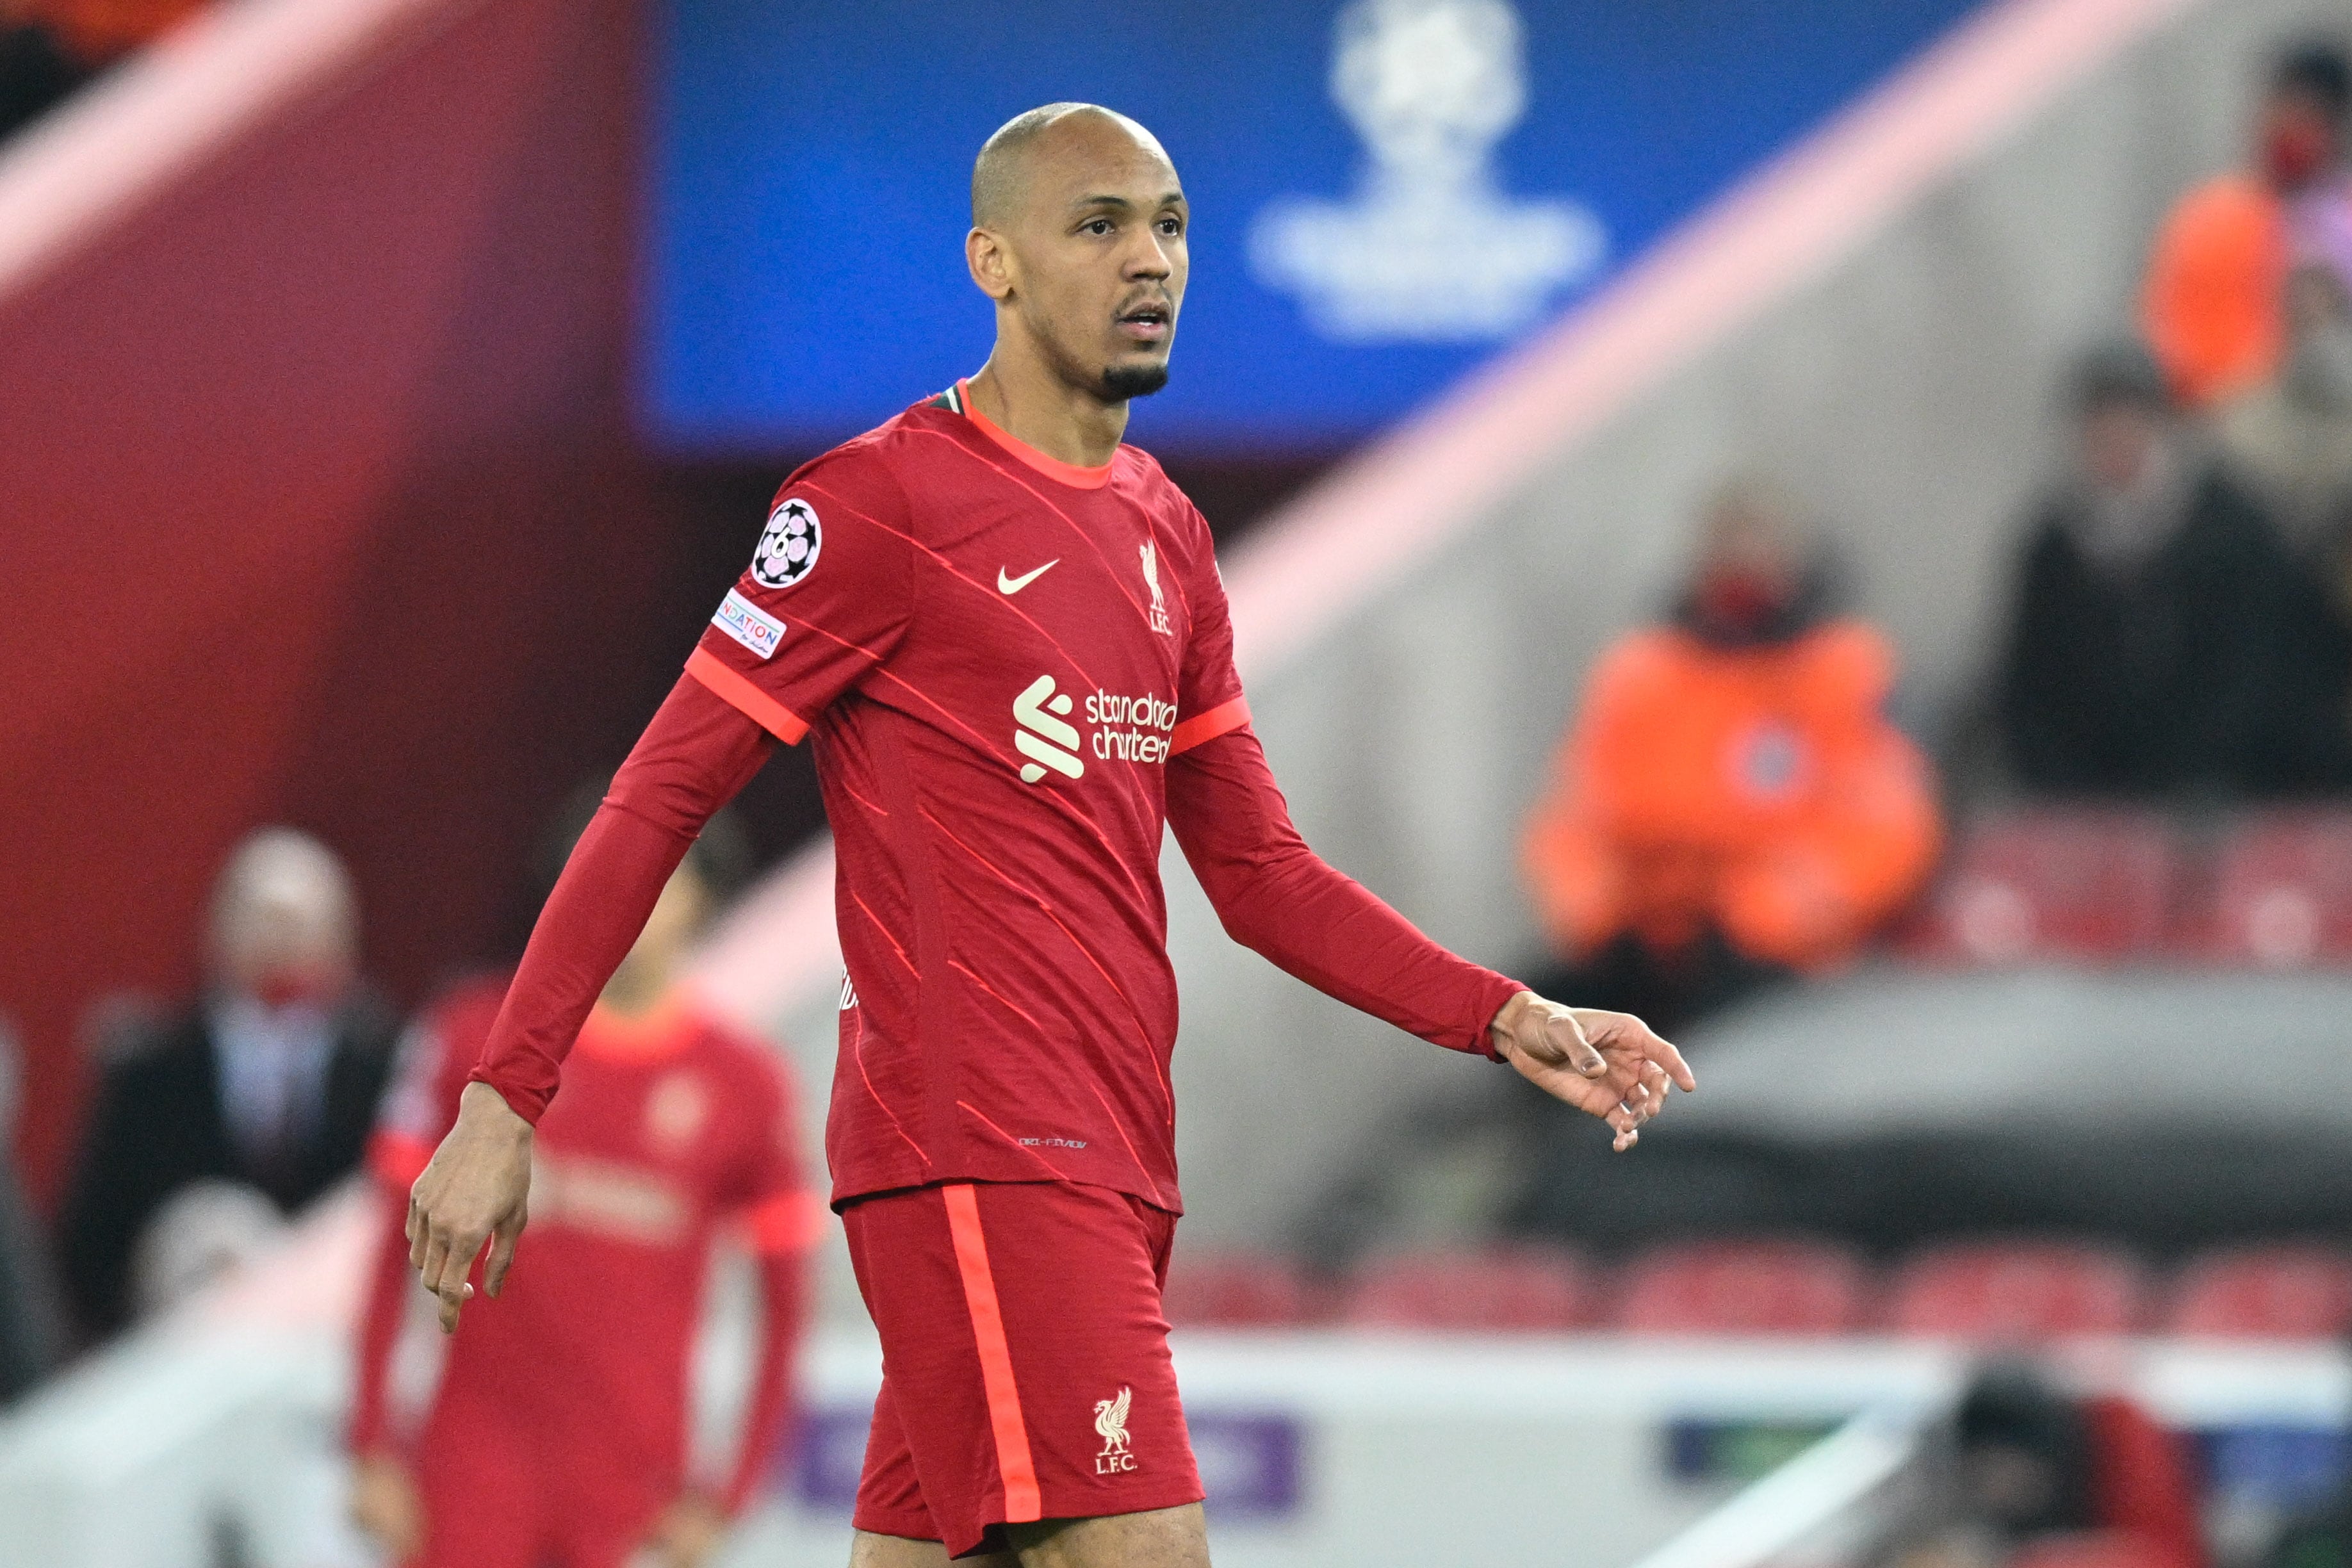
{"points": [[1279, 898]]}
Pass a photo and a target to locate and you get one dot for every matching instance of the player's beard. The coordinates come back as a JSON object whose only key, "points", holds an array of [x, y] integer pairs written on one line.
{"points": [[1124, 381]]}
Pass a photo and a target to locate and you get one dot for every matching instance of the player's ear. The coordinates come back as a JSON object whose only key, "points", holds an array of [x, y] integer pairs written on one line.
{"points": [[990, 261]]}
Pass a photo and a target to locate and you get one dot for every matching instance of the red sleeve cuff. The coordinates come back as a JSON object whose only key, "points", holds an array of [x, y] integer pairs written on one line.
{"points": [[1497, 996], [736, 689], [528, 1103], [1223, 718]]}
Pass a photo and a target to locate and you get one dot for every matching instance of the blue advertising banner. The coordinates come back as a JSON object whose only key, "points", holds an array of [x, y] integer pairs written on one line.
{"points": [[1384, 191]]}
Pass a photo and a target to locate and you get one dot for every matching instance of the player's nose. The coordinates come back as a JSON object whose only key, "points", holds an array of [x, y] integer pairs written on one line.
{"points": [[1150, 261]]}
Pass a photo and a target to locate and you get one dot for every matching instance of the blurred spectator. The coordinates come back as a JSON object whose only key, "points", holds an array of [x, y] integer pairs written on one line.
{"points": [[2291, 438], [271, 1080], [49, 48], [2161, 641], [1732, 802], [29, 1319], [670, 1128], [2217, 279], [2036, 1468], [101, 32], [35, 72]]}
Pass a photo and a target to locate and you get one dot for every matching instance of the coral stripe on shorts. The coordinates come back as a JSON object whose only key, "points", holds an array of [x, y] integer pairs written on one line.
{"points": [[1022, 1502]]}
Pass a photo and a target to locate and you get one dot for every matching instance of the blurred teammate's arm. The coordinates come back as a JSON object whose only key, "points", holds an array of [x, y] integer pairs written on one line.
{"points": [[388, 1281], [782, 1236], [1279, 898], [383, 1499], [696, 753]]}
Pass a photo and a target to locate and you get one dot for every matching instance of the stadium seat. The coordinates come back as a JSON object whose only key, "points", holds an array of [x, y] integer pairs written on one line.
{"points": [[2094, 886], [1238, 1290], [2282, 892], [2265, 1292], [2098, 1549], [1744, 1288], [2011, 1291], [1505, 1289]]}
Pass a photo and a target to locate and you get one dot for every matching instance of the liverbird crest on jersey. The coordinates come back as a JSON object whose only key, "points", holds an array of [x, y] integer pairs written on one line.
{"points": [[1158, 600], [1110, 1420]]}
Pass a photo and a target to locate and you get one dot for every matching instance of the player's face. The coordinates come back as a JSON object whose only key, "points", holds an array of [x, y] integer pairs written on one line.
{"points": [[1098, 256]]}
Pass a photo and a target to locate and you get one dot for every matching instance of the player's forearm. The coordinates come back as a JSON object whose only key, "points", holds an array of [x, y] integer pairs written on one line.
{"points": [[783, 1297], [692, 758], [1279, 898]]}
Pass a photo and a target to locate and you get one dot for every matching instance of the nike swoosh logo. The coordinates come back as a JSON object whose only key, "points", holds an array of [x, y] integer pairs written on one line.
{"points": [[1014, 584]]}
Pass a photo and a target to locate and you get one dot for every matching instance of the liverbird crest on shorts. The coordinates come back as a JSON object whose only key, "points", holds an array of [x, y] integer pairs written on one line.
{"points": [[1110, 1420]]}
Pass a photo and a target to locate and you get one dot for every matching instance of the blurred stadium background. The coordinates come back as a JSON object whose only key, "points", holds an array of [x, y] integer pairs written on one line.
{"points": [[388, 388]]}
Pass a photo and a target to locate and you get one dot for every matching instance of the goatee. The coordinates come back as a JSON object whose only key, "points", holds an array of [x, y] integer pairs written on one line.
{"points": [[1123, 381]]}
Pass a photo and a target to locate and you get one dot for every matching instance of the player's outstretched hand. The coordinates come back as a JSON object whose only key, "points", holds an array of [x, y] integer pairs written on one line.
{"points": [[477, 1190], [1610, 1065]]}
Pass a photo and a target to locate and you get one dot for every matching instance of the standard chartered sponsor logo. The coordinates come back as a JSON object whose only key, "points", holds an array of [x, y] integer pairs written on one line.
{"points": [[1133, 729], [1126, 729]]}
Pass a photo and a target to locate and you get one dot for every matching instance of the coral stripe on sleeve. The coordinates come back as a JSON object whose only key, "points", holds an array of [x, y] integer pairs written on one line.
{"points": [[1218, 721], [755, 704]]}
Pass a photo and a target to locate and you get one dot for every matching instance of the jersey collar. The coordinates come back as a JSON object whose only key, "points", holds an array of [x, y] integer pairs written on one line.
{"points": [[960, 399]]}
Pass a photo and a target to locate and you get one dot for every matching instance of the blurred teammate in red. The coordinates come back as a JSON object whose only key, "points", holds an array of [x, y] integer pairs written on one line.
{"points": [[557, 1437], [1004, 634]]}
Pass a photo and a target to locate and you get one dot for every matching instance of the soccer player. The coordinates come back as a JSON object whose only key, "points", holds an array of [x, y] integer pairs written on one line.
{"points": [[1004, 633], [557, 1434]]}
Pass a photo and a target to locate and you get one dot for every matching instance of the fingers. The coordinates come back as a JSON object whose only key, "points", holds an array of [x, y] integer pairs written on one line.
{"points": [[502, 1253], [1653, 1088], [1623, 1033], [1662, 1055], [431, 1255], [456, 1254], [1569, 1046]]}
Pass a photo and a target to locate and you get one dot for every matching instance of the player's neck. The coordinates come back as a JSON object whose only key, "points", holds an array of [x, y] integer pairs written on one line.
{"points": [[1029, 403]]}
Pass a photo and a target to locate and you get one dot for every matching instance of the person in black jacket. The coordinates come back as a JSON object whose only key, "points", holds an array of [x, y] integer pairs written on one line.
{"points": [[28, 1310], [268, 1082], [2163, 642]]}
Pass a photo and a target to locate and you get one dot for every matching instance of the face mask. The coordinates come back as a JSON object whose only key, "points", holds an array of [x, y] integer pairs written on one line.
{"points": [[282, 988], [1741, 602], [2294, 153]]}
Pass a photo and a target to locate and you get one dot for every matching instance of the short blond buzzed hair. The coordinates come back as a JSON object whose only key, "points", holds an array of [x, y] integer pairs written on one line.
{"points": [[996, 180]]}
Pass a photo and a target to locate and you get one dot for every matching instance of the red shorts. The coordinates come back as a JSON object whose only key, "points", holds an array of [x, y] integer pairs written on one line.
{"points": [[1025, 1362]]}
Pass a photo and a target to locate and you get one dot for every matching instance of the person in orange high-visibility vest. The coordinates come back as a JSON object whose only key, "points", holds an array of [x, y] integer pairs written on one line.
{"points": [[1731, 802], [2213, 307]]}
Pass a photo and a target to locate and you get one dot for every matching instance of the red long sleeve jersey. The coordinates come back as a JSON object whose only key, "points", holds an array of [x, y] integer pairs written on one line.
{"points": [[670, 1128], [1017, 674]]}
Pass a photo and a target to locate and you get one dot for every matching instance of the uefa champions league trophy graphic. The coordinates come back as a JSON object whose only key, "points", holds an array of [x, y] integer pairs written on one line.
{"points": [[1430, 250]]}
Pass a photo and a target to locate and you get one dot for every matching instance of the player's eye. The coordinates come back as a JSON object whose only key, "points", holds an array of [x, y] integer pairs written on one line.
{"points": [[1171, 226], [1094, 226]]}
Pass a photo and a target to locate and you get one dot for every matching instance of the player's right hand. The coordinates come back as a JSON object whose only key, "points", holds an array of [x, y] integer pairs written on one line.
{"points": [[475, 1189], [384, 1504]]}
